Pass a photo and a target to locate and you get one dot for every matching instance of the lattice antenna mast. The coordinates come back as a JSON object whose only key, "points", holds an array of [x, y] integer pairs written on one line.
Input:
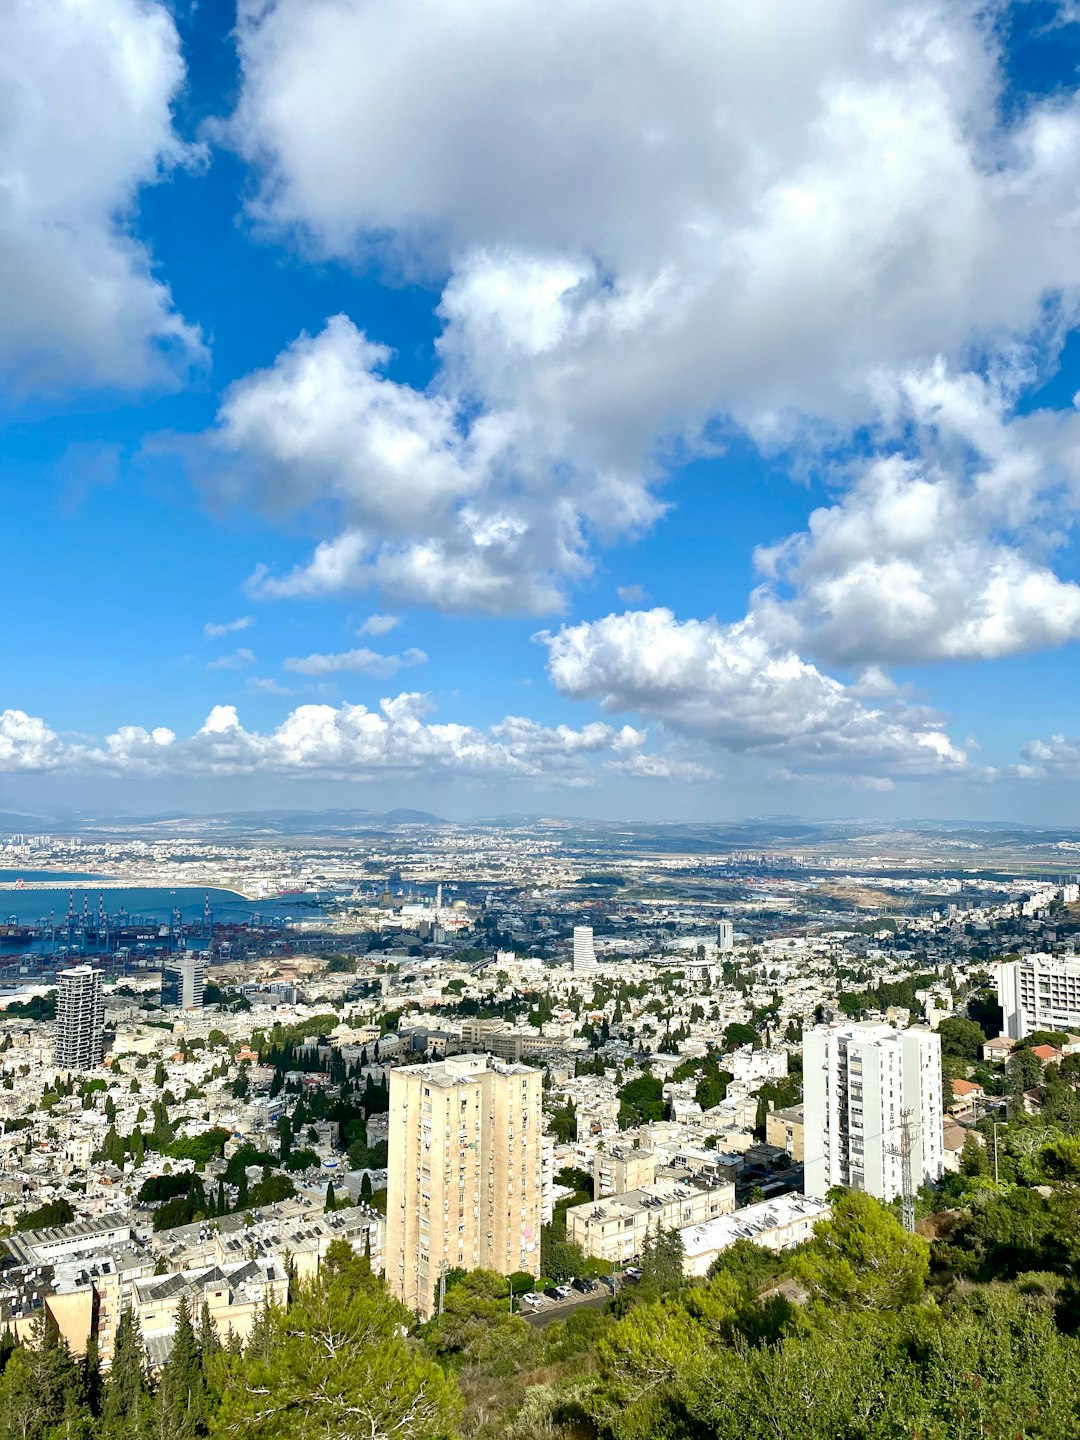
{"points": [[903, 1153]]}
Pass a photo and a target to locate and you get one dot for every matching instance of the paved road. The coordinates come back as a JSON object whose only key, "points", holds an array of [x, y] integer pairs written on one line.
{"points": [[563, 1309]]}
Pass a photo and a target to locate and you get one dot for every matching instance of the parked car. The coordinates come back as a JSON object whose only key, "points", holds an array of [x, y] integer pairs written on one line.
{"points": [[633, 1272], [581, 1285], [609, 1282], [555, 1292], [532, 1299]]}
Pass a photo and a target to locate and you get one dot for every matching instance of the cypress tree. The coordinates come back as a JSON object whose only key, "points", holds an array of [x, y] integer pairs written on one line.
{"points": [[181, 1397], [208, 1340], [125, 1409]]}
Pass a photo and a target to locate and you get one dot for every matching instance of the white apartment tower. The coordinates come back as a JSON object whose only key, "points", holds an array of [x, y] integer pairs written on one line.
{"points": [[860, 1082], [725, 936], [584, 950], [183, 981], [1039, 992], [80, 1019], [464, 1188]]}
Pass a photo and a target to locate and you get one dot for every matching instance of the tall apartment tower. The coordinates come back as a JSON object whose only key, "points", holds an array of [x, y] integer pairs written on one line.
{"points": [[725, 935], [465, 1187], [860, 1083], [80, 1019], [183, 981], [1039, 992], [584, 950]]}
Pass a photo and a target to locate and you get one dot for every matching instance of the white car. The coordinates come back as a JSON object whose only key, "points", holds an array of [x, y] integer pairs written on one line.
{"points": [[532, 1300]]}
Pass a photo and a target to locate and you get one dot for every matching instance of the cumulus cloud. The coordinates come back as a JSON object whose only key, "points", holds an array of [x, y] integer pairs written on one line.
{"points": [[434, 507], [379, 625], [27, 743], [939, 549], [361, 662], [1057, 758], [214, 631], [347, 742], [642, 247], [87, 90], [237, 660], [730, 686]]}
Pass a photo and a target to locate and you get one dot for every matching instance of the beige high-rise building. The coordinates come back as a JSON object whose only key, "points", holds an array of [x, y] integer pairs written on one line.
{"points": [[464, 1189]]}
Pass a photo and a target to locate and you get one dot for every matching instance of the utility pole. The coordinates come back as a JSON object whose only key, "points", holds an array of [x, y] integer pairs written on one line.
{"points": [[903, 1153]]}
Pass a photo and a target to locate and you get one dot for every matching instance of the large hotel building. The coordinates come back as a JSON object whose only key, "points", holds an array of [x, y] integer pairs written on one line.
{"points": [[1039, 992], [464, 1186]]}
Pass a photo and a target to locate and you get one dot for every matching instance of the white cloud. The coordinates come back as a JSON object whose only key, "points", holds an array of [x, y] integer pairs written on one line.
{"points": [[214, 631], [663, 767], [237, 660], [730, 686], [379, 625], [939, 549], [433, 507], [632, 594], [265, 685], [656, 218], [27, 743], [347, 742], [87, 90], [1057, 758], [361, 662]]}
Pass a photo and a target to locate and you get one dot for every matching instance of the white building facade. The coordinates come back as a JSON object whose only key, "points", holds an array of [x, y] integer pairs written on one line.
{"points": [[1039, 992], [861, 1082], [584, 950], [183, 982]]}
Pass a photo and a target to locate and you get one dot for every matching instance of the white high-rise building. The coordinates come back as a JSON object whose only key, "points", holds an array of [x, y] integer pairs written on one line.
{"points": [[584, 950], [1039, 992], [80, 1019], [465, 1174], [183, 981], [725, 935], [860, 1083]]}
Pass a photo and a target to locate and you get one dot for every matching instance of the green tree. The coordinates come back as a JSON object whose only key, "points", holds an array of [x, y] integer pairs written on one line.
{"points": [[179, 1408], [640, 1100], [125, 1409], [738, 1034], [338, 1364], [973, 1157], [52, 1213], [662, 1261], [1023, 1072], [961, 1038], [862, 1258], [42, 1389]]}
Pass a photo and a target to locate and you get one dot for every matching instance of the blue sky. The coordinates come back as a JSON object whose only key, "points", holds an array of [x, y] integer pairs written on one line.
{"points": [[628, 409]]}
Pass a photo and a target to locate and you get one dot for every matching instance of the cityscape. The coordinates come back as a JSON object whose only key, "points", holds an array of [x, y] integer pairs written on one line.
{"points": [[540, 724], [528, 1075]]}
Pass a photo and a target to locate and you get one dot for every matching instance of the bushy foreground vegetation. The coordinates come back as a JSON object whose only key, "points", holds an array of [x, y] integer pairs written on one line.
{"points": [[967, 1332]]}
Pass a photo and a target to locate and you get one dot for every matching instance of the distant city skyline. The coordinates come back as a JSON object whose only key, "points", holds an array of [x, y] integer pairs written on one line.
{"points": [[638, 411]]}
